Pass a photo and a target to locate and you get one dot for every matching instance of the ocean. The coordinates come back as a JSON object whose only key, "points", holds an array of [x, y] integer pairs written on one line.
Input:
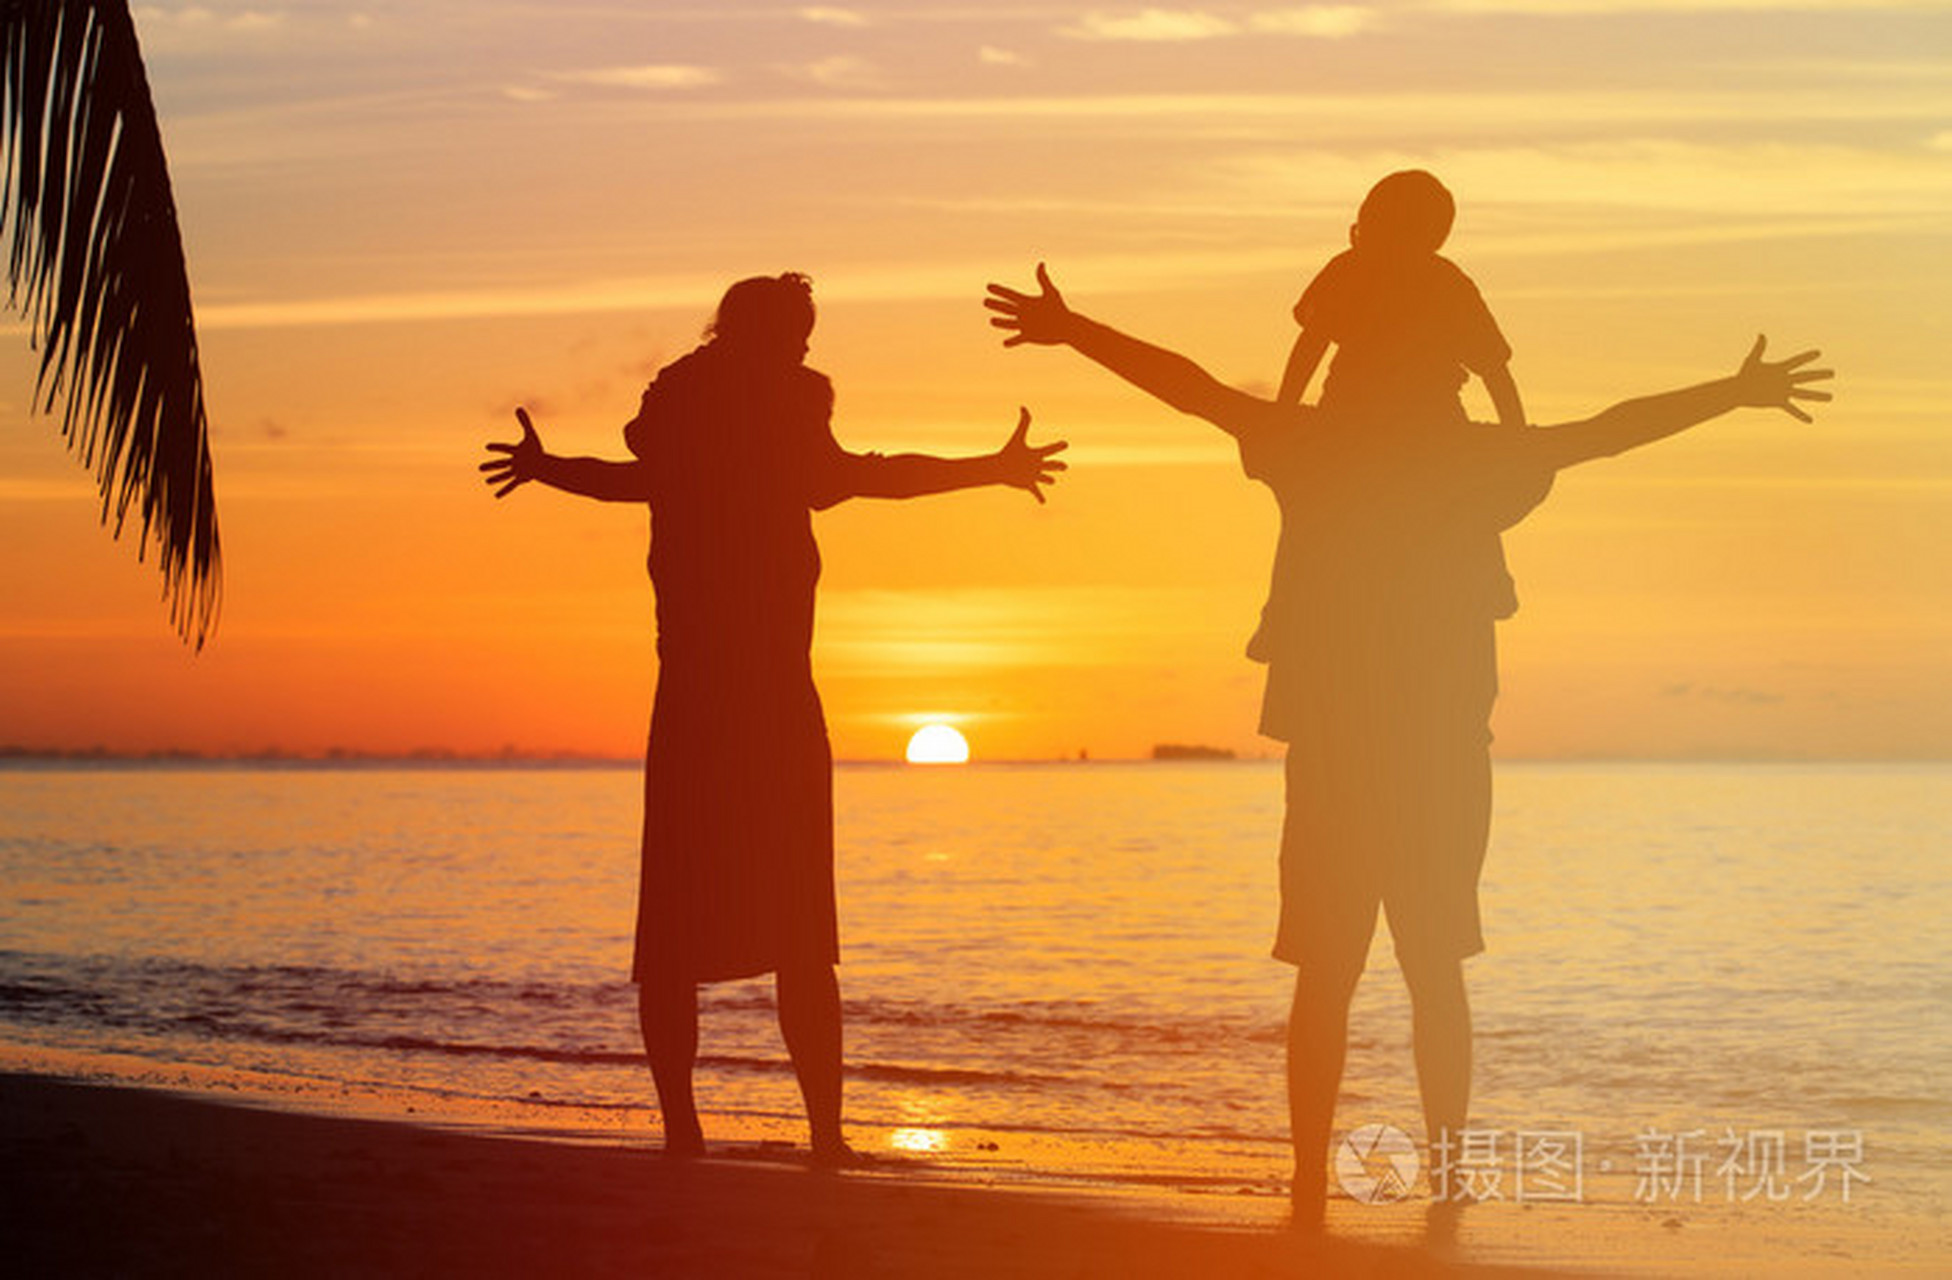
{"points": [[1708, 983]]}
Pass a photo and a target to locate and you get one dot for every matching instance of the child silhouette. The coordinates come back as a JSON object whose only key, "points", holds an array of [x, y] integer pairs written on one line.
{"points": [[1406, 322]]}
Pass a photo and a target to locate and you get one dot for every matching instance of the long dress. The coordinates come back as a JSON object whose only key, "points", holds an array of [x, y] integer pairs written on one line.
{"points": [[738, 839]]}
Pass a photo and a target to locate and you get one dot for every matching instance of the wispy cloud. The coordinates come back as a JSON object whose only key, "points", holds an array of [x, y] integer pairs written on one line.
{"points": [[657, 76], [1151, 25], [991, 56], [196, 17], [1322, 22], [1326, 21], [1408, 115], [842, 71], [833, 16], [1661, 176], [1022, 626], [896, 282]]}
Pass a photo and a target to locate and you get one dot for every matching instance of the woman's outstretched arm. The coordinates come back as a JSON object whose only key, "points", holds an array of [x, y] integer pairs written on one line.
{"points": [[1758, 384], [525, 460], [1043, 318], [1018, 463]]}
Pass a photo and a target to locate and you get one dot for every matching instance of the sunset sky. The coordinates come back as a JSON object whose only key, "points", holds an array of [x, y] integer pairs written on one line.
{"points": [[403, 219]]}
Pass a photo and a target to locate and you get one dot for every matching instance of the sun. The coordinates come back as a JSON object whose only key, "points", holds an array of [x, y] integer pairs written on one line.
{"points": [[938, 744]]}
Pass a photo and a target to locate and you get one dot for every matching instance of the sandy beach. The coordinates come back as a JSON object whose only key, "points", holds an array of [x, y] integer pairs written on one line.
{"points": [[111, 1180], [116, 1181]]}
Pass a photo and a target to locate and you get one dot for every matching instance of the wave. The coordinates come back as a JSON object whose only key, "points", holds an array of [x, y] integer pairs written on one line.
{"points": [[574, 1024], [116, 990]]}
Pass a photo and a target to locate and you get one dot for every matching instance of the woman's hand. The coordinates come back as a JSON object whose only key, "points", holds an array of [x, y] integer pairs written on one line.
{"points": [[1779, 384], [522, 461], [1040, 318], [1024, 465]]}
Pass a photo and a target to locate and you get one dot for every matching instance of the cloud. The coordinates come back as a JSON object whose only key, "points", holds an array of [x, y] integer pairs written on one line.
{"points": [[900, 281], [828, 15], [842, 71], [1401, 118], [986, 627], [1322, 22], [991, 56], [196, 15], [1724, 183], [197, 18], [1151, 25], [656, 76]]}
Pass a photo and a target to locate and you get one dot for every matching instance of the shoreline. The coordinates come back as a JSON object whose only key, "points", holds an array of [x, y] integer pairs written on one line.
{"points": [[1171, 1181], [116, 1180], [145, 1178]]}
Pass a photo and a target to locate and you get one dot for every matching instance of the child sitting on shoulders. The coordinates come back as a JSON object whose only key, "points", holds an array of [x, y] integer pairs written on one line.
{"points": [[1408, 325]]}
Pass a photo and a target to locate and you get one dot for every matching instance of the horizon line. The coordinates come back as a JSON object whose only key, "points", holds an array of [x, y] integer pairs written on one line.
{"points": [[12, 755]]}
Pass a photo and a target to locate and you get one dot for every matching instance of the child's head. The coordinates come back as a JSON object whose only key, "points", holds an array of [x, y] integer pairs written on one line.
{"points": [[1407, 212]]}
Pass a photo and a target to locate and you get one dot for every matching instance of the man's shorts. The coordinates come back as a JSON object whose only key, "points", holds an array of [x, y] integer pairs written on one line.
{"points": [[1390, 816]]}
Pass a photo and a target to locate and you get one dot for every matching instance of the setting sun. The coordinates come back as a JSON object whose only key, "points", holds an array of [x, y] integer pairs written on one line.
{"points": [[938, 744]]}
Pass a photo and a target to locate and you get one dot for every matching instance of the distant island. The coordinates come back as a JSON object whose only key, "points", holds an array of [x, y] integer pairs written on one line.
{"points": [[1189, 751]]}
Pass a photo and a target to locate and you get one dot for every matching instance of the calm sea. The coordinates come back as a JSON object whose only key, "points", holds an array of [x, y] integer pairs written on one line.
{"points": [[1046, 967]]}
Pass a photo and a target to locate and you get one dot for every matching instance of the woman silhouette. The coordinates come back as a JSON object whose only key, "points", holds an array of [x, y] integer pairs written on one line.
{"points": [[733, 452]]}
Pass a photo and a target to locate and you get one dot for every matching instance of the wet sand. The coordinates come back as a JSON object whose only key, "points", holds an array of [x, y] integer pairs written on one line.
{"points": [[119, 1181]]}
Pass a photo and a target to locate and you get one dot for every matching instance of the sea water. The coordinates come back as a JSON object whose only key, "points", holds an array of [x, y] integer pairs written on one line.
{"points": [[1738, 974]]}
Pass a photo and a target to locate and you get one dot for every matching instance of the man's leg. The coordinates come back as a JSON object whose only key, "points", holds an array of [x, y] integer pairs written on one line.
{"points": [[1440, 1014], [809, 1019], [667, 1014], [1318, 1038], [1328, 913]]}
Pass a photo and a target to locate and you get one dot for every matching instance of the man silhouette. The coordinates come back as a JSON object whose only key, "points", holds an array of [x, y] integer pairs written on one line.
{"points": [[1378, 635]]}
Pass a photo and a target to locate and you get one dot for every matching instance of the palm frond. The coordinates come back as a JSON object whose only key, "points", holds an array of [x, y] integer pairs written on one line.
{"points": [[96, 266]]}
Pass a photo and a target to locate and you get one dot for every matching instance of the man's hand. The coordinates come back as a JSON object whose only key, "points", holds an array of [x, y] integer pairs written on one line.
{"points": [[1040, 318], [1779, 384]]}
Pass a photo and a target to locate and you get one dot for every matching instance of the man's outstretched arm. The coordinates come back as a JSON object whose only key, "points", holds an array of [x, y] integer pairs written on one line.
{"points": [[1042, 318], [1757, 384]]}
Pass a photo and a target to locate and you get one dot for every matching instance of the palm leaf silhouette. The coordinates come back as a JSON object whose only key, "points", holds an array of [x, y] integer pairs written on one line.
{"points": [[96, 266]]}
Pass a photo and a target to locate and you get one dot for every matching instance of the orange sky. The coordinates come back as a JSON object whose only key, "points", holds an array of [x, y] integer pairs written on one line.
{"points": [[404, 220]]}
